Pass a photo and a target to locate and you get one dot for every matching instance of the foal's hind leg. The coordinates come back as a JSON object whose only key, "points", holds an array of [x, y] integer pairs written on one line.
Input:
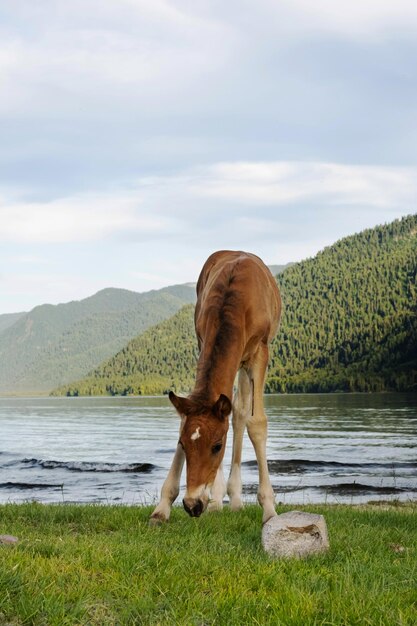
{"points": [[241, 411], [257, 430]]}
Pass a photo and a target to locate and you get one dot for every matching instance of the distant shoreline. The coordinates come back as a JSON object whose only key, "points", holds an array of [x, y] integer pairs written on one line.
{"points": [[46, 394]]}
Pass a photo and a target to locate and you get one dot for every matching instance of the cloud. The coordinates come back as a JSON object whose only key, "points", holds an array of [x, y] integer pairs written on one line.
{"points": [[278, 183], [139, 50], [83, 217], [292, 20], [139, 53], [24, 290], [27, 259], [227, 201], [97, 90], [139, 136], [358, 18]]}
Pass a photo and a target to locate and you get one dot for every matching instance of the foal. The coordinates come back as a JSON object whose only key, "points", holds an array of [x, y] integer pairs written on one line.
{"points": [[236, 317]]}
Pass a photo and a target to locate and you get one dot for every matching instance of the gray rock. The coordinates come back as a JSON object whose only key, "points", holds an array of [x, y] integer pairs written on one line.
{"points": [[8, 539], [295, 534]]}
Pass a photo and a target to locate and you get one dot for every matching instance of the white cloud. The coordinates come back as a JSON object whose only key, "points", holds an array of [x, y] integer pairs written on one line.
{"points": [[108, 106], [105, 52], [78, 58], [27, 259], [225, 201], [28, 289], [277, 183], [357, 18], [84, 217]]}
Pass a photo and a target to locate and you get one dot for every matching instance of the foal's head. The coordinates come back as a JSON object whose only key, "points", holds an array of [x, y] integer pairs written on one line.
{"points": [[203, 438]]}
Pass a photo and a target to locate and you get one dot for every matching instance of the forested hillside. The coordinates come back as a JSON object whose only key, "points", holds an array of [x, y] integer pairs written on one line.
{"points": [[349, 323], [350, 315], [54, 344], [8, 319]]}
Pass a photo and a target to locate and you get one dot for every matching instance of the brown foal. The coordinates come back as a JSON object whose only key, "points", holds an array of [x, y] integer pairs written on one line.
{"points": [[236, 317]]}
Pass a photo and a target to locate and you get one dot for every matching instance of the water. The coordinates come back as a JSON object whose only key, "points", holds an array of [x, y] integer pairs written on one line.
{"points": [[321, 448]]}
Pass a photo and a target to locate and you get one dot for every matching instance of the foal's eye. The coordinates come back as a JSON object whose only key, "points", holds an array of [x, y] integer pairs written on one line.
{"points": [[216, 448]]}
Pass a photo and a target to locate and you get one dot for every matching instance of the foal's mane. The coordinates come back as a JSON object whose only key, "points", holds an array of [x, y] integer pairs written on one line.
{"points": [[225, 327]]}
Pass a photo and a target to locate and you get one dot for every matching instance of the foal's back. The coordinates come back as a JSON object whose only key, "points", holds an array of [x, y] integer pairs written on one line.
{"points": [[239, 288]]}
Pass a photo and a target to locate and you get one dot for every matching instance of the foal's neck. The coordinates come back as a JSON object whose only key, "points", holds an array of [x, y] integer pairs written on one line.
{"points": [[218, 363]]}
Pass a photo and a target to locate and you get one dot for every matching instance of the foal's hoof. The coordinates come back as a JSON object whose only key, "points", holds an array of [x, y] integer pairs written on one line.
{"points": [[214, 505], [157, 519]]}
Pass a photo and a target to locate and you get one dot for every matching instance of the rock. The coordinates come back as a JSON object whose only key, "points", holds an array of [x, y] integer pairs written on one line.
{"points": [[8, 539], [295, 534], [397, 547]]}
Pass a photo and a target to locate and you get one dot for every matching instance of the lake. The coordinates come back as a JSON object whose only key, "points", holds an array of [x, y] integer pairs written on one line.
{"points": [[321, 448]]}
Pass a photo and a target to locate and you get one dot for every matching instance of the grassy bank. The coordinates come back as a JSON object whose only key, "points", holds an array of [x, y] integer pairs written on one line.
{"points": [[104, 566]]}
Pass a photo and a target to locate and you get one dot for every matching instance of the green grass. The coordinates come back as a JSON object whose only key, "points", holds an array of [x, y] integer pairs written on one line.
{"points": [[104, 566]]}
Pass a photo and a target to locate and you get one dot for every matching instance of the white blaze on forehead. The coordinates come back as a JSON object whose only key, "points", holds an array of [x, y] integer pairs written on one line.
{"points": [[196, 435]]}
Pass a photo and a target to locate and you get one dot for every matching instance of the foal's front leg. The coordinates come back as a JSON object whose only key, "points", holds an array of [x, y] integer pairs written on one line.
{"points": [[170, 488], [218, 491], [241, 412]]}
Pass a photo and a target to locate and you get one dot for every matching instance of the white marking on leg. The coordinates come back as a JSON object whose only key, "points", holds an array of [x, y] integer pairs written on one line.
{"points": [[171, 487], [234, 488], [218, 491], [257, 433], [241, 408], [196, 435]]}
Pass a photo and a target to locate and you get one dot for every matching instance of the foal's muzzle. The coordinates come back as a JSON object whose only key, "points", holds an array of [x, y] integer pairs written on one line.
{"points": [[193, 507]]}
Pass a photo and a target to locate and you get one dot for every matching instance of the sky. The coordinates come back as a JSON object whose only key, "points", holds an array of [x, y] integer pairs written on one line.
{"points": [[139, 136]]}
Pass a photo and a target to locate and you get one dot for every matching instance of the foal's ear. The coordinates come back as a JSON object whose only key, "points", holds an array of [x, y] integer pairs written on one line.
{"points": [[222, 408], [181, 404]]}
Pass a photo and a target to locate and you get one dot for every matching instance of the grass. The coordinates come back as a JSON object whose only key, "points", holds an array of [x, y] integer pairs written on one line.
{"points": [[97, 565]]}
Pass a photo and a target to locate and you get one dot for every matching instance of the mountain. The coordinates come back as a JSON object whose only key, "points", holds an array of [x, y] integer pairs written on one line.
{"points": [[160, 359], [8, 319], [278, 269], [54, 344], [349, 323]]}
